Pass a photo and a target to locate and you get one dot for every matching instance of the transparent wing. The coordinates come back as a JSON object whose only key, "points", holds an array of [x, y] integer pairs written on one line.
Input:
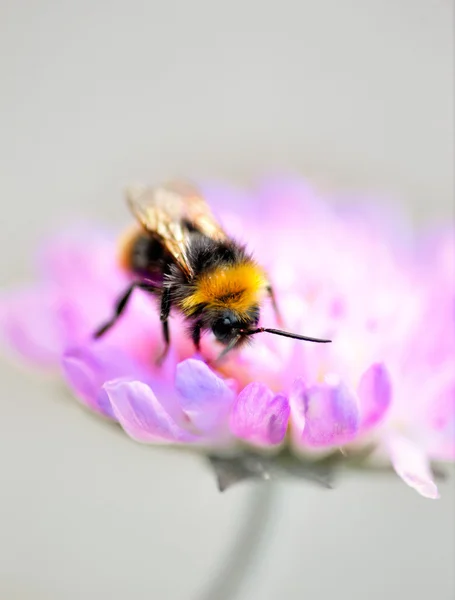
{"points": [[170, 212], [197, 211], [161, 213]]}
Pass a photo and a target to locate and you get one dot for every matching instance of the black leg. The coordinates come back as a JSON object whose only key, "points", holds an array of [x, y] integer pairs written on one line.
{"points": [[196, 335], [276, 310], [122, 303], [164, 317]]}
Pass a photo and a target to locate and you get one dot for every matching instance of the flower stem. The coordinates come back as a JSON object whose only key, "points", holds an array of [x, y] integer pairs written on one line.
{"points": [[234, 567]]}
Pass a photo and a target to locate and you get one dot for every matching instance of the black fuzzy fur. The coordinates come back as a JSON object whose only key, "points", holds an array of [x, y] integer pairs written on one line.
{"points": [[150, 259]]}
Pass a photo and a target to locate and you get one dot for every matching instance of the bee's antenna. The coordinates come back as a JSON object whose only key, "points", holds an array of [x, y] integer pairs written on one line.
{"points": [[295, 336]]}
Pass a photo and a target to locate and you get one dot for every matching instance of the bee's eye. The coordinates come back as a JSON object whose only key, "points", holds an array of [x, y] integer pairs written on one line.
{"points": [[222, 329]]}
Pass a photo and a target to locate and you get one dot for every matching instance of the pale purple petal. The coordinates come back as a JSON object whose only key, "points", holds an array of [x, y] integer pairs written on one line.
{"points": [[259, 416], [375, 395], [87, 368], [325, 415], [298, 408], [140, 413], [205, 397], [412, 465]]}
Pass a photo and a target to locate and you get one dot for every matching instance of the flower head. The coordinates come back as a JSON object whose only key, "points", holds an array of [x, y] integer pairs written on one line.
{"points": [[386, 381]]}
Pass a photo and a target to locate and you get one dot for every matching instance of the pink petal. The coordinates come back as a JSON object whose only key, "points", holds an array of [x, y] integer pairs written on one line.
{"points": [[259, 416], [140, 413], [82, 264], [81, 255], [440, 416], [323, 415], [205, 397], [87, 368], [80, 285], [412, 465], [375, 395], [33, 323]]}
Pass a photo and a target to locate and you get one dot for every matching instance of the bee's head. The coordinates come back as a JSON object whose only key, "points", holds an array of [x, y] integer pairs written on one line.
{"points": [[227, 326], [233, 330]]}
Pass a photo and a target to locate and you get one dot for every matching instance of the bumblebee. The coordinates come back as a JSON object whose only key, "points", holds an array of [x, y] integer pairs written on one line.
{"points": [[178, 252]]}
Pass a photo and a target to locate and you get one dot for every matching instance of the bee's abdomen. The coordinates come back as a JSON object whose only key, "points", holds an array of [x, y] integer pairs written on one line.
{"points": [[142, 254]]}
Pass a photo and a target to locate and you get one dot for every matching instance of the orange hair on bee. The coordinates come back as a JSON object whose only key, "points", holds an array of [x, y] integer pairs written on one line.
{"points": [[126, 244], [237, 287]]}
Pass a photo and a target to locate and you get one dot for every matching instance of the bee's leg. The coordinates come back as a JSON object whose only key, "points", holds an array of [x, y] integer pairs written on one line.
{"points": [[196, 335], [164, 318], [276, 310], [122, 304], [232, 344]]}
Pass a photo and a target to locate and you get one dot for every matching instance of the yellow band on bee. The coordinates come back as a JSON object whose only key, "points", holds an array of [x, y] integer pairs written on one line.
{"points": [[237, 287]]}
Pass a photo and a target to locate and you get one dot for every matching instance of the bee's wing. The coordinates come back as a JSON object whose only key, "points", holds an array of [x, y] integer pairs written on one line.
{"points": [[161, 213], [168, 210], [197, 211]]}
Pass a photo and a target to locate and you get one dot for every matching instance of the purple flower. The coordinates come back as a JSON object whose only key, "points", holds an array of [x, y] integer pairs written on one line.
{"points": [[387, 379]]}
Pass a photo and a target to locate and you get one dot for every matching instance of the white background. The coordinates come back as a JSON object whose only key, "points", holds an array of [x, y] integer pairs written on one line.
{"points": [[95, 94]]}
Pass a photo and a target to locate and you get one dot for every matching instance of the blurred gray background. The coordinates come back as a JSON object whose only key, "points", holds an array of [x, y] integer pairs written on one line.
{"points": [[95, 94]]}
